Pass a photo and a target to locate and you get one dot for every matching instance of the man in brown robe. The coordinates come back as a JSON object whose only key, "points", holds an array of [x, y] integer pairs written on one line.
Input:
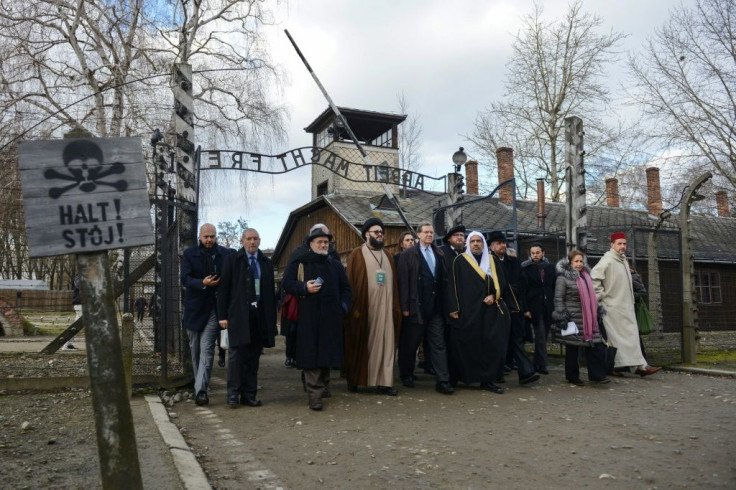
{"points": [[372, 323]]}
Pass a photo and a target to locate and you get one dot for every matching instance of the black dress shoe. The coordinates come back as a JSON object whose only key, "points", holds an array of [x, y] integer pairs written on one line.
{"points": [[251, 402], [576, 382], [201, 399], [408, 381], [531, 378], [444, 388], [387, 390], [315, 406], [232, 402], [492, 388]]}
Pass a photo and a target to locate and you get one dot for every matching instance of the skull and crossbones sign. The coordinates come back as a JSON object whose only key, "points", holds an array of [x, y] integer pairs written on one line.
{"points": [[84, 161]]}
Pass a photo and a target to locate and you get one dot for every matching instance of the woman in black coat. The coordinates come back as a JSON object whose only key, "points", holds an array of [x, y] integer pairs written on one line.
{"points": [[324, 297], [576, 307]]}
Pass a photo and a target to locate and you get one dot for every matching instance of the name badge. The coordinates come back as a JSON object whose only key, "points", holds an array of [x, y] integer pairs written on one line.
{"points": [[380, 277], [258, 286]]}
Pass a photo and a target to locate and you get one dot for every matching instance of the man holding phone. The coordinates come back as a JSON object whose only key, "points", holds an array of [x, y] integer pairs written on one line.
{"points": [[200, 268]]}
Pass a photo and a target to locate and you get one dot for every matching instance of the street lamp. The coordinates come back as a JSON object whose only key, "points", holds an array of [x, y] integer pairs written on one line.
{"points": [[459, 158]]}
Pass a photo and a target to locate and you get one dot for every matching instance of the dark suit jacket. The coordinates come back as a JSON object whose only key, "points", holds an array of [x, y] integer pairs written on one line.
{"points": [[420, 292], [237, 292], [198, 299]]}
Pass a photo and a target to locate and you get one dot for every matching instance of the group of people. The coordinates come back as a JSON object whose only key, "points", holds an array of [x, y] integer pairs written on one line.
{"points": [[583, 297], [467, 302]]}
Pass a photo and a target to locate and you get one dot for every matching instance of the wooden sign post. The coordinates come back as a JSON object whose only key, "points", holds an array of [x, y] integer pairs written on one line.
{"points": [[87, 196]]}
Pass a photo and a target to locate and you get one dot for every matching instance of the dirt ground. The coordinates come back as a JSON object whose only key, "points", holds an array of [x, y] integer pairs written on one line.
{"points": [[671, 430]]}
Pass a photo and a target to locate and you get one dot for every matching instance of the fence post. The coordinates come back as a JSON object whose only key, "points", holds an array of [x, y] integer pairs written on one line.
{"points": [[113, 417], [127, 348]]}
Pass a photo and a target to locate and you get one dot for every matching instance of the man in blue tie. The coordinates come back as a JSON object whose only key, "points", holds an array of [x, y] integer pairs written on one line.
{"points": [[247, 304], [421, 287]]}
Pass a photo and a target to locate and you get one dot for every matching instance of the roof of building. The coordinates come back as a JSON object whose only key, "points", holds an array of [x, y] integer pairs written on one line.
{"points": [[367, 125], [713, 237]]}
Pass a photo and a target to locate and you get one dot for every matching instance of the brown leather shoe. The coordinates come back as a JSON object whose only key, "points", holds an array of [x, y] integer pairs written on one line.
{"points": [[617, 374], [647, 371]]}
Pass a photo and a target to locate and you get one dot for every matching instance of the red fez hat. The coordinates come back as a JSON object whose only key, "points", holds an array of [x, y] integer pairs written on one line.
{"points": [[619, 235]]}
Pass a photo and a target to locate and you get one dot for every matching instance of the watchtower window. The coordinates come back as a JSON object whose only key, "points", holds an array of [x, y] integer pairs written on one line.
{"points": [[386, 139], [322, 188]]}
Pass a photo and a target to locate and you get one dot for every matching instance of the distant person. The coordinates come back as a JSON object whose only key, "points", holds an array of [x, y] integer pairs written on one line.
{"points": [[201, 266], [324, 298], [576, 303], [615, 291], [406, 240], [77, 304], [372, 324], [246, 303], [538, 278], [140, 308]]}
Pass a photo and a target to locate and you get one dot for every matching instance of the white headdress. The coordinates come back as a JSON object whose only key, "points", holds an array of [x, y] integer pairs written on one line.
{"points": [[485, 263]]}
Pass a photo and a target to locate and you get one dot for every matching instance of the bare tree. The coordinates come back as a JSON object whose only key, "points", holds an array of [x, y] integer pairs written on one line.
{"points": [[106, 67], [556, 71], [686, 83], [410, 137], [229, 233]]}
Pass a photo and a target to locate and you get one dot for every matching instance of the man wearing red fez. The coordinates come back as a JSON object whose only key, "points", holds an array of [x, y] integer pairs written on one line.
{"points": [[614, 290]]}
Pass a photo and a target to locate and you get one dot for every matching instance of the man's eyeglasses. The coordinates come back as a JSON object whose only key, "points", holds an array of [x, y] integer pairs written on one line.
{"points": [[376, 232]]}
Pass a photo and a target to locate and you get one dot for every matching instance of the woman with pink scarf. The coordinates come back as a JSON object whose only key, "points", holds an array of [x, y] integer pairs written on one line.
{"points": [[576, 312]]}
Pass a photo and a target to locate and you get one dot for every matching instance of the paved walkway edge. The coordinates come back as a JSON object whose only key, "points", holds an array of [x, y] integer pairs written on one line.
{"points": [[191, 473], [705, 371]]}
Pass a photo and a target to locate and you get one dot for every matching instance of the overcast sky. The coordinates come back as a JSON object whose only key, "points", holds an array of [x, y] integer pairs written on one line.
{"points": [[447, 58]]}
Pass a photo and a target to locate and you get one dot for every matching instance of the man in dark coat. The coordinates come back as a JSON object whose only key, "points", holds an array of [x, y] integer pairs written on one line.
{"points": [[538, 278], [477, 343], [247, 305], [421, 287], [514, 300], [325, 297], [288, 327], [200, 268], [140, 308], [453, 245]]}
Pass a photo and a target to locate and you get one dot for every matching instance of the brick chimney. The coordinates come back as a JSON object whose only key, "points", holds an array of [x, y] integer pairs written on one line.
{"points": [[722, 204], [471, 178], [505, 157], [541, 211], [654, 192], [612, 197]]}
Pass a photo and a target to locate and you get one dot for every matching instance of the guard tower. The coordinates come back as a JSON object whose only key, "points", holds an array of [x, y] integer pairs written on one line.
{"points": [[377, 132]]}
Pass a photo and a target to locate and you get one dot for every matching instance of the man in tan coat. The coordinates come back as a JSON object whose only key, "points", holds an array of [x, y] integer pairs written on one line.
{"points": [[372, 323], [613, 288]]}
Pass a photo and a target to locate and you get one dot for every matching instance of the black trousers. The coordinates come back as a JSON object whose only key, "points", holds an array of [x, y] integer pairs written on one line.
{"points": [[595, 358], [433, 331], [242, 368], [516, 350]]}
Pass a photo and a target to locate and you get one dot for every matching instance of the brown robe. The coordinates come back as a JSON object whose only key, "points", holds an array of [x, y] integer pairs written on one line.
{"points": [[356, 325]]}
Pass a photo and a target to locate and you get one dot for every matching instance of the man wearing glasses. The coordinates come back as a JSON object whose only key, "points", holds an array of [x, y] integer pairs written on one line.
{"points": [[372, 324]]}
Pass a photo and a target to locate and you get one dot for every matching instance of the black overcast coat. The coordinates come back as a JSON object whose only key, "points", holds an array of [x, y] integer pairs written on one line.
{"points": [[235, 294]]}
